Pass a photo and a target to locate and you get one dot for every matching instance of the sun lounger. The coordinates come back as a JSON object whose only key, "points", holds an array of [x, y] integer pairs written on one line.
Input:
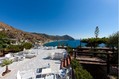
{"points": [[39, 70], [38, 76], [30, 55], [29, 74], [46, 71], [49, 77]]}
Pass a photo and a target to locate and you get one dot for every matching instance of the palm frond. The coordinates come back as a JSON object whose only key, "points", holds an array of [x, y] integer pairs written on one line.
{"points": [[6, 62]]}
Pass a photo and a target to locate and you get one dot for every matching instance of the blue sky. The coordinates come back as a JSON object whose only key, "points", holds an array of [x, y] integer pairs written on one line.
{"points": [[77, 18]]}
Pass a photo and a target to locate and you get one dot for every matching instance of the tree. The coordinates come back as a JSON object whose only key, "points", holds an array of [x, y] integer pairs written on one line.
{"points": [[4, 41], [94, 42], [70, 50], [27, 45], [113, 40], [6, 62], [14, 48], [3, 35], [96, 32]]}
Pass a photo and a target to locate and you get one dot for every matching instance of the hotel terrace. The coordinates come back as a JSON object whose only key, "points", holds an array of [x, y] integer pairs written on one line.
{"points": [[38, 63]]}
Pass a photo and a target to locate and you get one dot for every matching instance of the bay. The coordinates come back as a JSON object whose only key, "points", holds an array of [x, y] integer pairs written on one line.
{"points": [[71, 43]]}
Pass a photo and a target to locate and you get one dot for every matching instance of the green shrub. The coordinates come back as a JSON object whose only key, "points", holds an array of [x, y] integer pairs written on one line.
{"points": [[14, 48], [3, 34], [94, 42], [69, 50], [75, 64], [80, 73], [4, 42], [27, 45], [113, 40]]}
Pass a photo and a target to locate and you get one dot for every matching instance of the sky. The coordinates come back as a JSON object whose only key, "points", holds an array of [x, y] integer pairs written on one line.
{"points": [[77, 18]]}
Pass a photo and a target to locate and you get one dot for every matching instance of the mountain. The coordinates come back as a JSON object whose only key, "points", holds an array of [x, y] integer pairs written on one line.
{"points": [[52, 37], [14, 33]]}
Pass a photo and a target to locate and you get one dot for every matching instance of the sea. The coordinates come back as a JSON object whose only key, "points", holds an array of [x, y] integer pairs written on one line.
{"points": [[71, 43]]}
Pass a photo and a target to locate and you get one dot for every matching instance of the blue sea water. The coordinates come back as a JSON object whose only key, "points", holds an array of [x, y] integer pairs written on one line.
{"points": [[71, 43], [102, 45]]}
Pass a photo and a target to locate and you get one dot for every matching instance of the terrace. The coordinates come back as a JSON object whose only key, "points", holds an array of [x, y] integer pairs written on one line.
{"points": [[45, 59]]}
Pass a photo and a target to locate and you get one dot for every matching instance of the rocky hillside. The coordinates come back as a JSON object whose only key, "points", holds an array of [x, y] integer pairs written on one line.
{"points": [[12, 32]]}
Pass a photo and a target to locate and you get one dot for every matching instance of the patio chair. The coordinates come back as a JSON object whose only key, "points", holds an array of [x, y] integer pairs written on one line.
{"points": [[39, 70]]}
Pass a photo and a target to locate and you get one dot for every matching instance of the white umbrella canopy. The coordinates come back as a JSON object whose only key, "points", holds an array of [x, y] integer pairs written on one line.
{"points": [[9, 55], [24, 49], [18, 75]]}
